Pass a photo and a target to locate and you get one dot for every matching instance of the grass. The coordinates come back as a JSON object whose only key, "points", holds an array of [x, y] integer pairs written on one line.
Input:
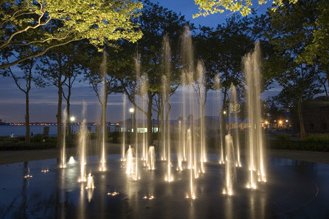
{"points": [[314, 142]]}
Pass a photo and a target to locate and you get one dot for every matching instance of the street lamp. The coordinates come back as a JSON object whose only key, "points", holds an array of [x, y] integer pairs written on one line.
{"points": [[72, 119], [131, 111]]}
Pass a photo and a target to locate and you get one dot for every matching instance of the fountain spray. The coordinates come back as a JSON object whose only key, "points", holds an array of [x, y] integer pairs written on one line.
{"points": [[103, 69], [255, 132], [82, 145], [63, 149]]}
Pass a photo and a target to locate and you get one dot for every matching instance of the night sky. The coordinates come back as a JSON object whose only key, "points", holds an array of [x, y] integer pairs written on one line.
{"points": [[43, 101]]}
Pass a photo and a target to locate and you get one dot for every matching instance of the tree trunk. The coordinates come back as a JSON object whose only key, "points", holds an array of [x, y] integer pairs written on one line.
{"points": [[327, 80], [59, 114], [149, 119], [27, 118], [301, 119], [68, 110]]}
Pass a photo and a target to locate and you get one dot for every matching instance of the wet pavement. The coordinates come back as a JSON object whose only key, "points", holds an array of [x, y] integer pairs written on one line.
{"points": [[295, 189]]}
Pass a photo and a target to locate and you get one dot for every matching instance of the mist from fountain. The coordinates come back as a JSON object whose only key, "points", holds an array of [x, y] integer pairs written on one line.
{"points": [[103, 69], [83, 133], [256, 162], [63, 149]]}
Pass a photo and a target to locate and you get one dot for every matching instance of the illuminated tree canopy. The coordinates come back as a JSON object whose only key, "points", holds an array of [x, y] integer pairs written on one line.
{"points": [[47, 24], [207, 7]]}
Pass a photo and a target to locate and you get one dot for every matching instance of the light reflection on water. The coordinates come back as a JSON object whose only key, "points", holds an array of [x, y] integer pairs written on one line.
{"points": [[290, 192]]}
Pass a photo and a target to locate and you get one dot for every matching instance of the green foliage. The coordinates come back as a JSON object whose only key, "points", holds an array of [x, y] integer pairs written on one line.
{"points": [[311, 143], [155, 22], [47, 24], [207, 7], [318, 49], [222, 49], [289, 35]]}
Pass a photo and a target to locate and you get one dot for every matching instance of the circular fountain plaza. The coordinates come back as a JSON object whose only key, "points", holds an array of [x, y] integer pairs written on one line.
{"points": [[39, 189], [177, 177]]}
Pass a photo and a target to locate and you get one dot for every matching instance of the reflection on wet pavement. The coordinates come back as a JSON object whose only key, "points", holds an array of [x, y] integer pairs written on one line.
{"points": [[295, 190]]}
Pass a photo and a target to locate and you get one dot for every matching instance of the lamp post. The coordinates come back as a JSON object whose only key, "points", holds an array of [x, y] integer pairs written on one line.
{"points": [[72, 120]]}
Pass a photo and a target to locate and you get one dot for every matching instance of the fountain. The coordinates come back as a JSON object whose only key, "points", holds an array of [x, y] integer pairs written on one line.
{"points": [[90, 182], [256, 162], [221, 131], [103, 70], [165, 132], [90, 187], [229, 165], [124, 127], [191, 193], [180, 147], [129, 162], [234, 109], [141, 99], [63, 149], [202, 101], [82, 146], [71, 161], [151, 158]]}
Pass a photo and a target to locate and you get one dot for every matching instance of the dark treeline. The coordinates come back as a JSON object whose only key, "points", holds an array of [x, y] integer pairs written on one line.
{"points": [[294, 42]]}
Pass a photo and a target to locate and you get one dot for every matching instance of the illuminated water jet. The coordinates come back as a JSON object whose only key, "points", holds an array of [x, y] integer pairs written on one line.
{"points": [[63, 149], [82, 146], [256, 162], [234, 109], [103, 68], [129, 162], [151, 158], [124, 128], [229, 166]]}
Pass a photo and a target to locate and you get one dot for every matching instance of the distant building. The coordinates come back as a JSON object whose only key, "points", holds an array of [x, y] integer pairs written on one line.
{"points": [[316, 115]]}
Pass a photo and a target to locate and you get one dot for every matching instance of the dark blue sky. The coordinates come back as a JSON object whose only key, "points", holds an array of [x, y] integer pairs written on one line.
{"points": [[44, 100]]}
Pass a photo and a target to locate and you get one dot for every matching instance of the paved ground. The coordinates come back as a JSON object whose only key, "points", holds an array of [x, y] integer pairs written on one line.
{"points": [[18, 156]]}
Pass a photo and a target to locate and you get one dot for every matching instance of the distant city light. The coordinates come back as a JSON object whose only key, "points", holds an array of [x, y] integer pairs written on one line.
{"points": [[287, 120]]}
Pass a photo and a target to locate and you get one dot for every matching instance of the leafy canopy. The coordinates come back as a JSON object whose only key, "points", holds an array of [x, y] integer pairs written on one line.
{"points": [[50, 23], [207, 7]]}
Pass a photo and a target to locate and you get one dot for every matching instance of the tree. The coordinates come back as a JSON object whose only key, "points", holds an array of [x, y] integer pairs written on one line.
{"points": [[317, 51], [221, 49], [207, 7], [53, 68], [156, 22], [49, 24], [23, 76], [289, 35]]}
